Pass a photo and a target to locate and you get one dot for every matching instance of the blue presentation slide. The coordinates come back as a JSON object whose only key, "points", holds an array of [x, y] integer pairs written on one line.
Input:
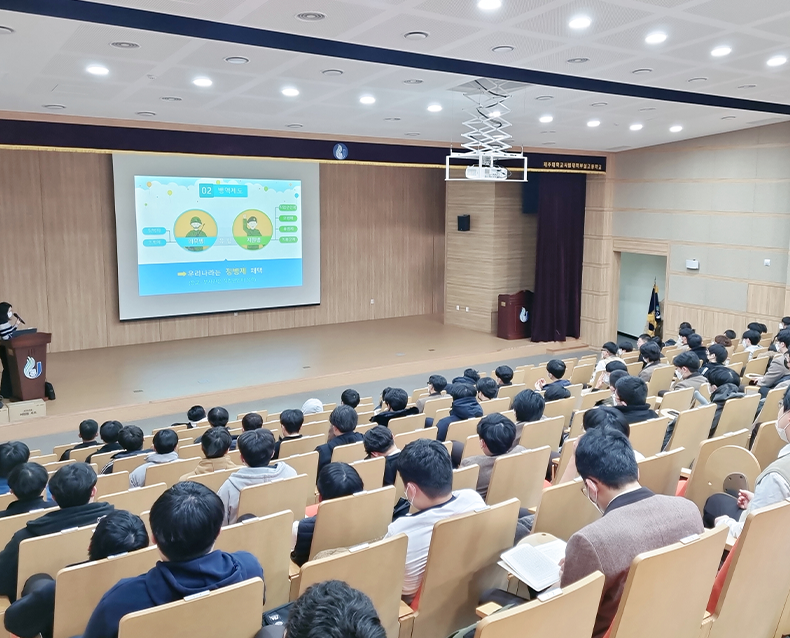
{"points": [[205, 234]]}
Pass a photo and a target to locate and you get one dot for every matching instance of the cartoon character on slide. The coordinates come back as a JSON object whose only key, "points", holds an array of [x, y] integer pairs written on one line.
{"points": [[197, 231], [251, 228]]}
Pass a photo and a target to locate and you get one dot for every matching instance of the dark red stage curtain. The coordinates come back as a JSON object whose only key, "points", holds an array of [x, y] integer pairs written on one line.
{"points": [[556, 311]]}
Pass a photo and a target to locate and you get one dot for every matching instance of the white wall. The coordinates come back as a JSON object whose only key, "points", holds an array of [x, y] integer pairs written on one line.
{"points": [[637, 273]]}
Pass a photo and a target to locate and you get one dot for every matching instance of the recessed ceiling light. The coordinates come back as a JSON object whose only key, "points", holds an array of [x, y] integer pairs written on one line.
{"points": [[146, 113], [411, 134], [719, 52], [597, 104], [495, 114], [594, 123], [489, 5], [635, 127], [170, 98], [236, 59], [54, 107], [546, 119], [580, 22], [642, 71], [367, 99], [503, 48], [434, 108], [413, 81], [332, 72], [675, 129], [392, 119], [698, 79], [97, 69], [294, 125], [728, 117], [648, 108], [202, 82], [5, 30], [290, 91], [657, 37], [777, 60], [545, 97], [578, 60], [122, 44], [747, 86], [416, 35], [310, 16]]}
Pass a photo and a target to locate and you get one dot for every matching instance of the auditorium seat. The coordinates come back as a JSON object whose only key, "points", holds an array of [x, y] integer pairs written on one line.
{"points": [[563, 408], [707, 447], [678, 400], [305, 464], [495, 405], [461, 430], [9, 525], [767, 444], [402, 440], [564, 510], [111, 483], [277, 496], [465, 478], [660, 380], [723, 461], [738, 413], [371, 471], [438, 403], [581, 373], [540, 433], [519, 475], [647, 436], [128, 464], [348, 453], [213, 480], [409, 423], [691, 428], [660, 473], [566, 454], [136, 500]]}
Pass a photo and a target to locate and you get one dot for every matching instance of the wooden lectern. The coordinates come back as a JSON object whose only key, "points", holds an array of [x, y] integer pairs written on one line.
{"points": [[27, 364]]}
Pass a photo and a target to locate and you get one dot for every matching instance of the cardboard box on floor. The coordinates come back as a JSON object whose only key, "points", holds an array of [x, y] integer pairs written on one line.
{"points": [[21, 410]]}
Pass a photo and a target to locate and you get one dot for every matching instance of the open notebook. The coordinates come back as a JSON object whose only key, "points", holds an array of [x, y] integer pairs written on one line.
{"points": [[539, 566]]}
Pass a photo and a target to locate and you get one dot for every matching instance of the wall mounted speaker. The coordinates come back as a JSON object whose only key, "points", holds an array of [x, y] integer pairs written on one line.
{"points": [[464, 223]]}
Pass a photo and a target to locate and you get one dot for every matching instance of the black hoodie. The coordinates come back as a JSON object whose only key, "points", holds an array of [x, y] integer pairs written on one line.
{"points": [[384, 418], [49, 523]]}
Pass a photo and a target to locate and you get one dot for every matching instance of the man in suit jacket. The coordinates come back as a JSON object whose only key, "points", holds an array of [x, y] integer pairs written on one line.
{"points": [[634, 519]]}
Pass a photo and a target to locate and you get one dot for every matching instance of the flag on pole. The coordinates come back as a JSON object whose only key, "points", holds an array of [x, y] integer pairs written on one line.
{"points": [[654, 312]]}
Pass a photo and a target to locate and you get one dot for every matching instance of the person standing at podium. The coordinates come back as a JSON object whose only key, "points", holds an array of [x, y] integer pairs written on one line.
{"points": [[7, 330]]}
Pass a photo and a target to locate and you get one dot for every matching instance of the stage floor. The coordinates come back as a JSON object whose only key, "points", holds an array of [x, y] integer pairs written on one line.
{"points": [[143, 381]]}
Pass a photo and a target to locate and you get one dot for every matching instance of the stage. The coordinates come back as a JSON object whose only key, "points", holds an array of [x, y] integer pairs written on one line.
{"points": [[132, 383]]}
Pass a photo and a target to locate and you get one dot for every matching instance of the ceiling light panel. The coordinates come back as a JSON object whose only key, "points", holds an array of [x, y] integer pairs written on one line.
{"points": [[604, 16]]}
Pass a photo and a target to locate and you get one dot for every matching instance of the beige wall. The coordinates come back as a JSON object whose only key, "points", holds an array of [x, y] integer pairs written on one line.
{"points": [[382, 238]]}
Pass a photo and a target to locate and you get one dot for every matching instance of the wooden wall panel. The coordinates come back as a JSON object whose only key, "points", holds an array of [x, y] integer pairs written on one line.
{"points": [[766, 299]]}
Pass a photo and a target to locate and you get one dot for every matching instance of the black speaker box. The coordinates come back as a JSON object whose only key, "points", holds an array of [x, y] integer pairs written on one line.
{"points": [[464, 223]]}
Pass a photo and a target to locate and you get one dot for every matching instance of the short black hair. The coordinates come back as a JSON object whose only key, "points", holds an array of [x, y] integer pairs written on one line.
{"points": [[438, 382], [752, 336], [615, 365], [605, 416], [645, 337], [251, 421], [615, 376], [88, 429], [332, 609], [292, 420], [554, 392], [218, 417], [471, 373], [650, 351], [606, 455], [350, 397], [626, 346], [378, 439], [610, 347], [215, 442], [505, 374], [685, 332], [338, 479], [397, 399], [185, 520], [427, 464], [556, 368], [110, 430], [731, 334], [117, 533], [131, 438], [488, 387], [758, 327], [27, 481], [461, 390], [498, 432], [528, 406], [12, 454], [720, 352], [344, 418], [72, 485], [694, 340], [632, 390], [165, 441], [196, 413], [688, 360], [720, 375], [784, 337], [684, 324], [256, 447]]}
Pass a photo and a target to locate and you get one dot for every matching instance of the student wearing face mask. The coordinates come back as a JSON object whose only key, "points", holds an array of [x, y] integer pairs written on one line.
{"points": [[777, 370], [687, 366], [8, 326], [771, 487]]}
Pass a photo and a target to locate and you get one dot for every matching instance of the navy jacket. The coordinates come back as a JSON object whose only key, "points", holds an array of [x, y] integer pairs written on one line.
{"points": [[325, 450], [462, 409], [304, 540], [168, 582], [384, 418]]}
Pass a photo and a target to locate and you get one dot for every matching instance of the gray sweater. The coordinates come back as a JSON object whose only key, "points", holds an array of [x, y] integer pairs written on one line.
{"points": [[246, 476]]}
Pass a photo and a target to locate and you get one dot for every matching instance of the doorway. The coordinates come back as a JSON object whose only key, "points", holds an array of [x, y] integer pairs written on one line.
{"points": [[637, 274]]}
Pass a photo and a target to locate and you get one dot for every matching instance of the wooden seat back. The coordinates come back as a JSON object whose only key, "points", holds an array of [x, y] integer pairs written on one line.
{"points": [[317, 416], [277, 496], [545, 432], [402, 440], [472, 447], [461, 430], [371, 471], [660, 473], [127, 464], [566, 454], [433, 405], [758, 365], [561, 407], [306, 444], [170, 473], [319, 427], [50, 553], [532, 375], [519, 475], [83, 453], [647, 437], [44, 459], [451, 588], [767, 444], [738, 414], [692, 428], [661, 379], [464, 478], [678, 399], [741, 357], [634, 367], [510, 391], [710, 474], [10, 525], [195, 450], [136, 500], [349, 453], [411, 422], [213, 480], [101, 459], [202, 616], [304, 464], [582, 373], [111, 483], [564, 510], [589, 399], [495, 405], [351, 520]]}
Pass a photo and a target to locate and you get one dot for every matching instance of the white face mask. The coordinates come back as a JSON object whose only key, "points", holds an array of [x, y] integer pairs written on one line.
{"points": [[782, 431], [678, 374], [590, 498], [10, 314], [411, 500]]}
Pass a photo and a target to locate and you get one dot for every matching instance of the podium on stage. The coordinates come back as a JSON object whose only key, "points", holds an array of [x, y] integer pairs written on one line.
{"points": [[27, 364], [514, 315]]}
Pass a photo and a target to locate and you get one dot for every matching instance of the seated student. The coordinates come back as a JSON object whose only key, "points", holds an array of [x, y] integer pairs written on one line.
{"points": [[772, 486], [27, 482], [218, 418], [256, 448], [185, 522], [436, 385], [73, 488], [687, 366], [465, 406], [131, 439], [343, 422], [650, 354], [555, 393], [330, 609], [497, 438], [731, 335], [555, 370], [683, 336], [694, 342], [642, 340], [215, 444], [12, 454], [487, 389], [195, 415], [631, 400], [109, 432], [717, 356], [427, 474], [504, 375], [165, 444], [611, 366], [378, 441], [722, 340], [777, 370], [611, 399], [759, 327], [624, 347], [634, 519], [290, 423], [33, 613], [350, 398], [470, 376], [608, 354], [751, 341], [312, 406], [528, 406], [724, 385], [334, 481], [394, 404], [88, 431], [251, 421]]}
